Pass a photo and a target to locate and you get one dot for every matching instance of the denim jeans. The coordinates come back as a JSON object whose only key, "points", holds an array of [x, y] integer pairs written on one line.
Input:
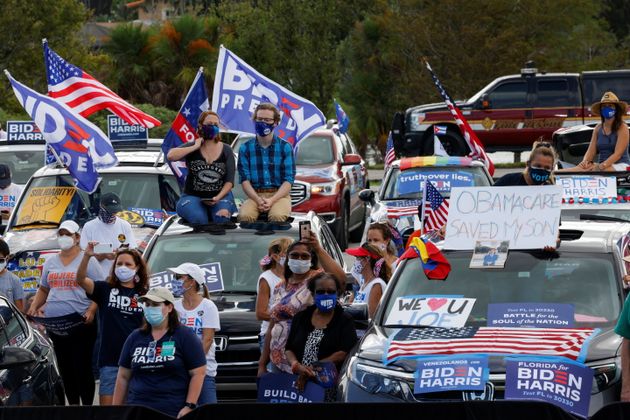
{"points": [[208, 391], [193, 210]]}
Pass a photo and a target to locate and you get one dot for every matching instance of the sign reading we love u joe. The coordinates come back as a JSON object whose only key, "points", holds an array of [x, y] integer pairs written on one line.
{"points": [[444, 311]]}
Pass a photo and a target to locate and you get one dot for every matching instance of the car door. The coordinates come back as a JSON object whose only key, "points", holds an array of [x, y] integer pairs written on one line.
{"points": [[556, 104], [354, 181]]}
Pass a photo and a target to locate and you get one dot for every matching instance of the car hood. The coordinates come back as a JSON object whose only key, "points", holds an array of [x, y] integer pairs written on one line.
{"points": [[316, 173], [605, 345], [237, 312]]}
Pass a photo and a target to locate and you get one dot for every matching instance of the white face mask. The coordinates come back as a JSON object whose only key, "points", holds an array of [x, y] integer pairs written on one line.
{"points": [[357, 268], [282, 260], [124, 273], [299, 266], [3, 265], [65, 242]]}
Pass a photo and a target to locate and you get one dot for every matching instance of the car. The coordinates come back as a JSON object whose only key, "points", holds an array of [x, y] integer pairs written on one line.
{"points": [[586, 271], [239, 252], [147, 187], [29, 374], [329, 176], [22, 159], [401, 204]]}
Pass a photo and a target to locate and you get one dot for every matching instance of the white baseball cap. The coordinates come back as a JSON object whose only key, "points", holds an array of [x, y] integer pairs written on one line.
{"points": [[190, 269], [69, 225]]}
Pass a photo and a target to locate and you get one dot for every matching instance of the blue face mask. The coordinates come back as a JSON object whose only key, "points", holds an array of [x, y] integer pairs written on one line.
{"points": [[263, 129], [209, 131], [153, 315], [326, 302], [608, 113], [539, 175]]}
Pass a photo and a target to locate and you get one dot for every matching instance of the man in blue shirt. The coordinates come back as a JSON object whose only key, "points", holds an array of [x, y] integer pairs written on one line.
{"points": [[267, 169]]}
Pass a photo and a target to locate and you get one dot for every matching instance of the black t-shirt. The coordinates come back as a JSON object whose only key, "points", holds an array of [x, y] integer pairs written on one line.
{"points": [[205, 179], [339, 335], [119, 315], [514, 179]]}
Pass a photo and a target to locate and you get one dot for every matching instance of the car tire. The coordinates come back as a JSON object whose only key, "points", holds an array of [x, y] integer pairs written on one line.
{"points": [[342, 228]]}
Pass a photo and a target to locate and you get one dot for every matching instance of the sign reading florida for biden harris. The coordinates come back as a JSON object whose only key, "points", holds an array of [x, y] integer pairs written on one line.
{"points": [[453, 373]]}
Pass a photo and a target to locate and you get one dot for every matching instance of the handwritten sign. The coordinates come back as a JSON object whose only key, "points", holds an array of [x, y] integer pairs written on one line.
{"points": [[528, 217], [212, 273], [587, 186], [413, 181], [431, 311], [451, 373], [60, 325], [280, 388], [531, 315], [45, 204], [567, 385]]}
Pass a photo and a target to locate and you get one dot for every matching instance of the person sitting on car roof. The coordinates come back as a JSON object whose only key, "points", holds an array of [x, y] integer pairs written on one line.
{"points": [[538, 171], [208, 190], [267, 169]]}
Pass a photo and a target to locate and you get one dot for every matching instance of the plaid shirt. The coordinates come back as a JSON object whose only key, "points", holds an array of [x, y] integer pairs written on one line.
{"points": [[266, 167]]}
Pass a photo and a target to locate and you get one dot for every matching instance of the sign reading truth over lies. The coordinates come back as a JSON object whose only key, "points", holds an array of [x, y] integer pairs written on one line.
{"points": [[528, 216]]}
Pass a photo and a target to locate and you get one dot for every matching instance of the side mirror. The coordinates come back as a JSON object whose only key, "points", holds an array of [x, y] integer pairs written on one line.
{"points": [[12, 357], [398, 130], [485, 101], [351, 159], [367, 196]]}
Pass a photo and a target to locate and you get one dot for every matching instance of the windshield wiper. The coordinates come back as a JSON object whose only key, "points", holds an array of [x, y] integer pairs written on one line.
{"points": [[586, 216], [37, 223]]}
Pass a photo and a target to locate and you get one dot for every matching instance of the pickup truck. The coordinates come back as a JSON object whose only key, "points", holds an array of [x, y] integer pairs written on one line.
{"points": [[511, 112]]}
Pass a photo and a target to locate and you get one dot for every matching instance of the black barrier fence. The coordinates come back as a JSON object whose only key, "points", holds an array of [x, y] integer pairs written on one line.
{"points": [[472, 410]]}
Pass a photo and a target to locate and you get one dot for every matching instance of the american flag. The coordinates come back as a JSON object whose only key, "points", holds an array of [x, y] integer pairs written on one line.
{"points": [[473, 142], [398, 212], [435, 208], [86, 95], [413, 342], [390, 154]]}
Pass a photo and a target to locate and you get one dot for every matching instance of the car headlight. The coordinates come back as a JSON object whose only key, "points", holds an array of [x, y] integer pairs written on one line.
{"points": [[325, 188], [606, 374], [377, 380]]}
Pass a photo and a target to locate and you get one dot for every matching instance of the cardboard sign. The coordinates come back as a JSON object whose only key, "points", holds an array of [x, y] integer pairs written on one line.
{"points": [[453, 373], [212, 272], [528, 217], [567, 385], [27, 266], [280, 388], [413, 181], [591, 186], [45, 204], [431, 311], [119, 131], [60, 325], [531, 315], [18, 131]]}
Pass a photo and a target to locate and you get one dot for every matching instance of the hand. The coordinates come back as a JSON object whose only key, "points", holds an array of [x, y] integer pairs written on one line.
{"points": [[262, 370], [89, 316], [549, 248], [626, 280], [183, 412], [261, 204], [210, 201], [313, 241], [198, 143], [32, 311], [89, 250], [585, 164]]}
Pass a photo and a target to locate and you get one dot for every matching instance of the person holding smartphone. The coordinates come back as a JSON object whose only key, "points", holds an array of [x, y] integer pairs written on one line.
{"points": [[211, 166]]}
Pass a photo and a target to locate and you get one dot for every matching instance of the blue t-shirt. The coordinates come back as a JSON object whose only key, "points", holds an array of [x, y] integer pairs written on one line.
{"points": [[119, 314], [160, 381]]}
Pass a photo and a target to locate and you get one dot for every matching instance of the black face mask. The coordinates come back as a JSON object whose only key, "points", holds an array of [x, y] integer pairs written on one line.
{"points": [[538, 175]]}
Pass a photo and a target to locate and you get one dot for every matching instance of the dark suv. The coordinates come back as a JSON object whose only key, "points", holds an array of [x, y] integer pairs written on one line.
{"points": [[239, 252]]}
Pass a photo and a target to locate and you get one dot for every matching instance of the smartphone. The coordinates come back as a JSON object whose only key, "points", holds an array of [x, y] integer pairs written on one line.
{"points": [[305, 229], [103, 248]]}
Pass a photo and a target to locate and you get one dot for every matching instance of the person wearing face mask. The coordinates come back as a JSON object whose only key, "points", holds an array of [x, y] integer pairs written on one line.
{"points": [[10, 284], [208, 189], [198, 312], [62, 295], [267, 169], [538, 171], [162, 364], [107, 228], [9, 192], [273, 273], [291, 296], [119, 311], [320, 333], [372, 273], [381, 235]]}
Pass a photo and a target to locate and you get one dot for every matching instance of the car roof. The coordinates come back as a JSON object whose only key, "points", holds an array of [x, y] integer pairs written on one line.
{"points": [[591, 236], [174, 227], [436, 161]]}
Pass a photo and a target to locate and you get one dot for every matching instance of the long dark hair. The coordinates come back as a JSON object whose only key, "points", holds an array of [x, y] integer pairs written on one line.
{"points": [[314, 260], [173, 321], [618, 118], [142, 271]]}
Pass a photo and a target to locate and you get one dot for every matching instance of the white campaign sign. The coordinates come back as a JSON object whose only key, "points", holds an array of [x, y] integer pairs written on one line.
{"points": [[527, 216], [590, 186], [431, 311]]}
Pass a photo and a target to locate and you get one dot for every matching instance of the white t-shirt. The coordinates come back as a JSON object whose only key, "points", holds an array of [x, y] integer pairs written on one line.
{"points": [[272, 280], [117, 233], [206, 315], [363, 295], [9, 197]]}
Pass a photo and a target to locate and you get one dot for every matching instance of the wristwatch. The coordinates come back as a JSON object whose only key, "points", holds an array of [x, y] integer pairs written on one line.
{"points": [[190, 405]]}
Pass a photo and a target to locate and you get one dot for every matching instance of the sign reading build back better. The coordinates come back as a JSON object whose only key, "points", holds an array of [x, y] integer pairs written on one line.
{"points": [[528, 217]]}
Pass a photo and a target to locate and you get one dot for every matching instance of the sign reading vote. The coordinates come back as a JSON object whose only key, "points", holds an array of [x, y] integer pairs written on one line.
{"points": [[588, 186], [431, 311], [528, 217], [413, 181], [23, 131], [280, 388], [531, 315], [567, 385], [212, 272], [464, 373], [119, 131]]}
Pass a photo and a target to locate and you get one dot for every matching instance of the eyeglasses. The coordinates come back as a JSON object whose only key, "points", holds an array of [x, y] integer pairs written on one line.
{"points": [[298, 256], [326, 291], [265, 120]]}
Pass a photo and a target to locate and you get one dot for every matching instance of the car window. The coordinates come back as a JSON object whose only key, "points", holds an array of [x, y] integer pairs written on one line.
{"points": [[555, 93], [13, 332], [23, 164], [314, 150], [594, 88], [351, 145], [586, 280], [509, 95]]}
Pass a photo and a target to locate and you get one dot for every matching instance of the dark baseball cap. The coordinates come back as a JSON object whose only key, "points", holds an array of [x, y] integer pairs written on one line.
{"points": [[111, 202], [5, 175]]}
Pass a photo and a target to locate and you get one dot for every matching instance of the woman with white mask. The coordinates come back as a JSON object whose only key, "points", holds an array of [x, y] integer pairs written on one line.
{"points": [[372, 273]]}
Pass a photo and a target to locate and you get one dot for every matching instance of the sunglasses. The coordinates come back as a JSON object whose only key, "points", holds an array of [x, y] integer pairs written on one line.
{"points": [[326, 291], [298, 256]]}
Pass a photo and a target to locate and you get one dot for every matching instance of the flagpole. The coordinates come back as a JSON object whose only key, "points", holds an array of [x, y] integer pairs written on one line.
{"points": [[54, 152], [424, 206]]}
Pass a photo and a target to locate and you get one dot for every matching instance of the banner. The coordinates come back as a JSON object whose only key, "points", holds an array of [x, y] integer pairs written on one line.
{"points": [[413, 181], [528, 217], [591, 186], [454, 373], [239, 88], [27, 266], [280, 388], [212, 272], [119, 132], [431, 311], [152, 217], [60, 325], [567, 385], [45, 204], [531, 315], [18, 131]]}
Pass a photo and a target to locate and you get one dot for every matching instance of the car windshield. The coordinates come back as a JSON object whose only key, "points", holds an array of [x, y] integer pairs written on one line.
{"points": [[53, 199], [314, 150], [615, 213], [410, 183], [23, 164], [588, 281], [238, 252]]}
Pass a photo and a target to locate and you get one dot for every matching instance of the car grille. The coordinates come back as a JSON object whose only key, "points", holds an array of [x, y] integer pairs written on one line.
{"points": [[299, 193], [240, 350]]}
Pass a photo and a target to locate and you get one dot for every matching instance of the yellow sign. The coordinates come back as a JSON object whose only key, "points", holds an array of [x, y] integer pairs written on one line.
{"points": [[45, 204], [132, 217]]}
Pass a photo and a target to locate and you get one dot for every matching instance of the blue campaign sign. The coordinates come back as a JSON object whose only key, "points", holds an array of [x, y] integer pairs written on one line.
{"points": [[280, 388], [410, 182], [18, 131], [212, 272], [565, 384], [459, 373], [119, 131], [531, 315], [152, 217]]}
